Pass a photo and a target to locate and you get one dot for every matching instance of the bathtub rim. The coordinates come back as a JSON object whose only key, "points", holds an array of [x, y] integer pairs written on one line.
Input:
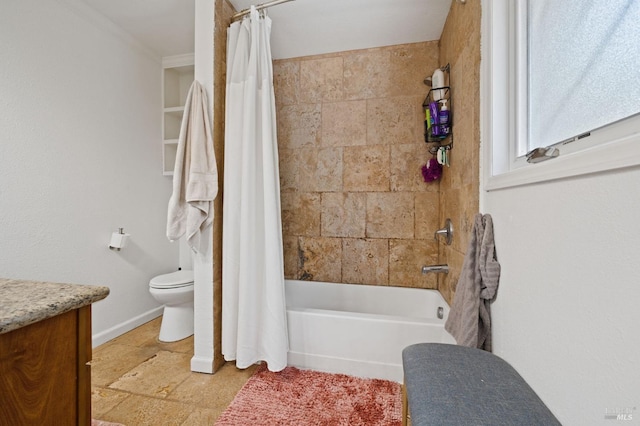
{"points": [[340, 363], [433, 301]]}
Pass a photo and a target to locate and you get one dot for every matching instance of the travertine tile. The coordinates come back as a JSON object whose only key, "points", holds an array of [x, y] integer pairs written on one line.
{"points": [[365, 261], [286, 81], [460, 46], [450, 208], [321, 80], [344, 123], [157, 376], [343, 214], [201, 397], [447, 172], [223, 12], [406, 168], [113, 360], [299, 125], [213, 391], [288, 160], [366, 168], [465, 122], [426, 215], [202, 416], [290, 251], [409, 64], [320, 259], [300, 214], [141, 410], [469, 207], [375, 149], [461, 205], [406, 258], [461, 210], [448, 282], [461, 29], [311, 169], [391, 121], [103, 400], [307, 169], [390, 215], [147, 336], [367, 74], [329, 170], [184, 346]]}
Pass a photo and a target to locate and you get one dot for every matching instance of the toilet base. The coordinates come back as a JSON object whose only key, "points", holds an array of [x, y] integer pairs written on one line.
{"points": [[177, 322]]}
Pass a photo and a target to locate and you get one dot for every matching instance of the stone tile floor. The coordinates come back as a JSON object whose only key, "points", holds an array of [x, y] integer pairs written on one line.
{"points": [[138, 381]]}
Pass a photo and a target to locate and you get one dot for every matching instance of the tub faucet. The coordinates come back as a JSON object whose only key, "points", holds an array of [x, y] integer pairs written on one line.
{"points": [[438, 269]]}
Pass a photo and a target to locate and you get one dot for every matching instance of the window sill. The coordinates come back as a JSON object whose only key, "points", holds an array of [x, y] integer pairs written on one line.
{"points": [[617, 154]]}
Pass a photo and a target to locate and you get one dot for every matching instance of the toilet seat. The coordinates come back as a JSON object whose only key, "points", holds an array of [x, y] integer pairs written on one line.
{"points": [[182, 278]]}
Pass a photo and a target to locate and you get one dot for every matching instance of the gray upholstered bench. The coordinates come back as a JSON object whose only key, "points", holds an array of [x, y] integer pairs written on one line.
{"points": [[456, 385]]}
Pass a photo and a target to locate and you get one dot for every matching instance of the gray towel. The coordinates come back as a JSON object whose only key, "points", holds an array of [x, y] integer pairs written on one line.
{"points": [[469, 320]]}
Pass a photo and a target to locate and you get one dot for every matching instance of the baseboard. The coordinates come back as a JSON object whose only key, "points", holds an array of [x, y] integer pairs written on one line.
{"points": [[352, 367], [202, 365], [117, 330]]}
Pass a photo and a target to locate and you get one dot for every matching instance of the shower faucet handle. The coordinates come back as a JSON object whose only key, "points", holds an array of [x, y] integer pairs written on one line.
{"points": [[447, 232]]}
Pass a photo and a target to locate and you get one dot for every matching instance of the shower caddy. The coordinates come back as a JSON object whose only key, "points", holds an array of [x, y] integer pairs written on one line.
{"points": [[438, 141]]}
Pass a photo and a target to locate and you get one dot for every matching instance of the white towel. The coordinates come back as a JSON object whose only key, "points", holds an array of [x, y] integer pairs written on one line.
{"points": [[469, 320], [195, 175]]}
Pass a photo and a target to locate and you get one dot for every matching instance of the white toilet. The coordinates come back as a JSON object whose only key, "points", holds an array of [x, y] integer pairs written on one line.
{"points": [[175, 291]]}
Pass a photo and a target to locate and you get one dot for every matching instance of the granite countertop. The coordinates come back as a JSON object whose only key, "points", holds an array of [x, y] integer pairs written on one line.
{"points": [[23, 302]]}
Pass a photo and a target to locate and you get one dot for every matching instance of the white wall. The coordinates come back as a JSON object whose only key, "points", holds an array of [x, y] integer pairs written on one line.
{"points": [[203, 345], [80, 156], [567, 316]]}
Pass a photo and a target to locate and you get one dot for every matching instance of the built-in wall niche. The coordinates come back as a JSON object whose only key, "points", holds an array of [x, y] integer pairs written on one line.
{"points": [[177, 76]]}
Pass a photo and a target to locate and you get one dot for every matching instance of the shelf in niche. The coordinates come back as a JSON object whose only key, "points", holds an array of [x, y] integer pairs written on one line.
{"points": [[174, 110], [177, 76], [169, 153], [177, 81]]}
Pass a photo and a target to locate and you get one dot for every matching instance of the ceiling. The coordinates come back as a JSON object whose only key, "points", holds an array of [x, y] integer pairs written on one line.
{"points": [[300, 27]]}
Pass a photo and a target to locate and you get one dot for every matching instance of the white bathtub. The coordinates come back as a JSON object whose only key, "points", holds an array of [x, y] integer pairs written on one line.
{"points": [[360, 330]]}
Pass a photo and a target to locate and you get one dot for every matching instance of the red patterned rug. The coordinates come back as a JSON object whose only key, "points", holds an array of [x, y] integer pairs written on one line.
{"points": [[303, 397]]}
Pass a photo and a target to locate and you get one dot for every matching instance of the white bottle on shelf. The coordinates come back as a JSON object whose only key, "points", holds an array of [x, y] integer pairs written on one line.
{"points": [[437, 81]]}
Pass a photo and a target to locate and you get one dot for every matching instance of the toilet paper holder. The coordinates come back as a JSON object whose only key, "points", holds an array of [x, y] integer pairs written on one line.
{"points": [[118, 240]]}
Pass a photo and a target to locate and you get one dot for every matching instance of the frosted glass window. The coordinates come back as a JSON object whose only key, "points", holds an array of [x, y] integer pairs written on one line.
{"points": [[584, 66]]}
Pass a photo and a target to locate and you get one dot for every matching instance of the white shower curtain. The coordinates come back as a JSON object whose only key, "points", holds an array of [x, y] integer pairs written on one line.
{"points": [[254, 326]]}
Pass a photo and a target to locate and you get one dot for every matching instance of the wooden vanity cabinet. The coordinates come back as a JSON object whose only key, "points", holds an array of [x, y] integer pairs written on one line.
{"points": [[45, 378]]}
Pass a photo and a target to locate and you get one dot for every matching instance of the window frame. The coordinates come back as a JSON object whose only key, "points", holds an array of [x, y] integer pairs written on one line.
{"points": [[504, 113]]}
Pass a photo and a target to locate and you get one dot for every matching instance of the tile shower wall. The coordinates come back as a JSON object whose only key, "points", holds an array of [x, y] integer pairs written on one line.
{"points": [[354, 206], [460, 47], [223, 13]]}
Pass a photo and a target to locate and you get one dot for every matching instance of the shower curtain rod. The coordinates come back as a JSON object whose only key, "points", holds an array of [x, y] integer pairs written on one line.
{"points": [[258, 7]]}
